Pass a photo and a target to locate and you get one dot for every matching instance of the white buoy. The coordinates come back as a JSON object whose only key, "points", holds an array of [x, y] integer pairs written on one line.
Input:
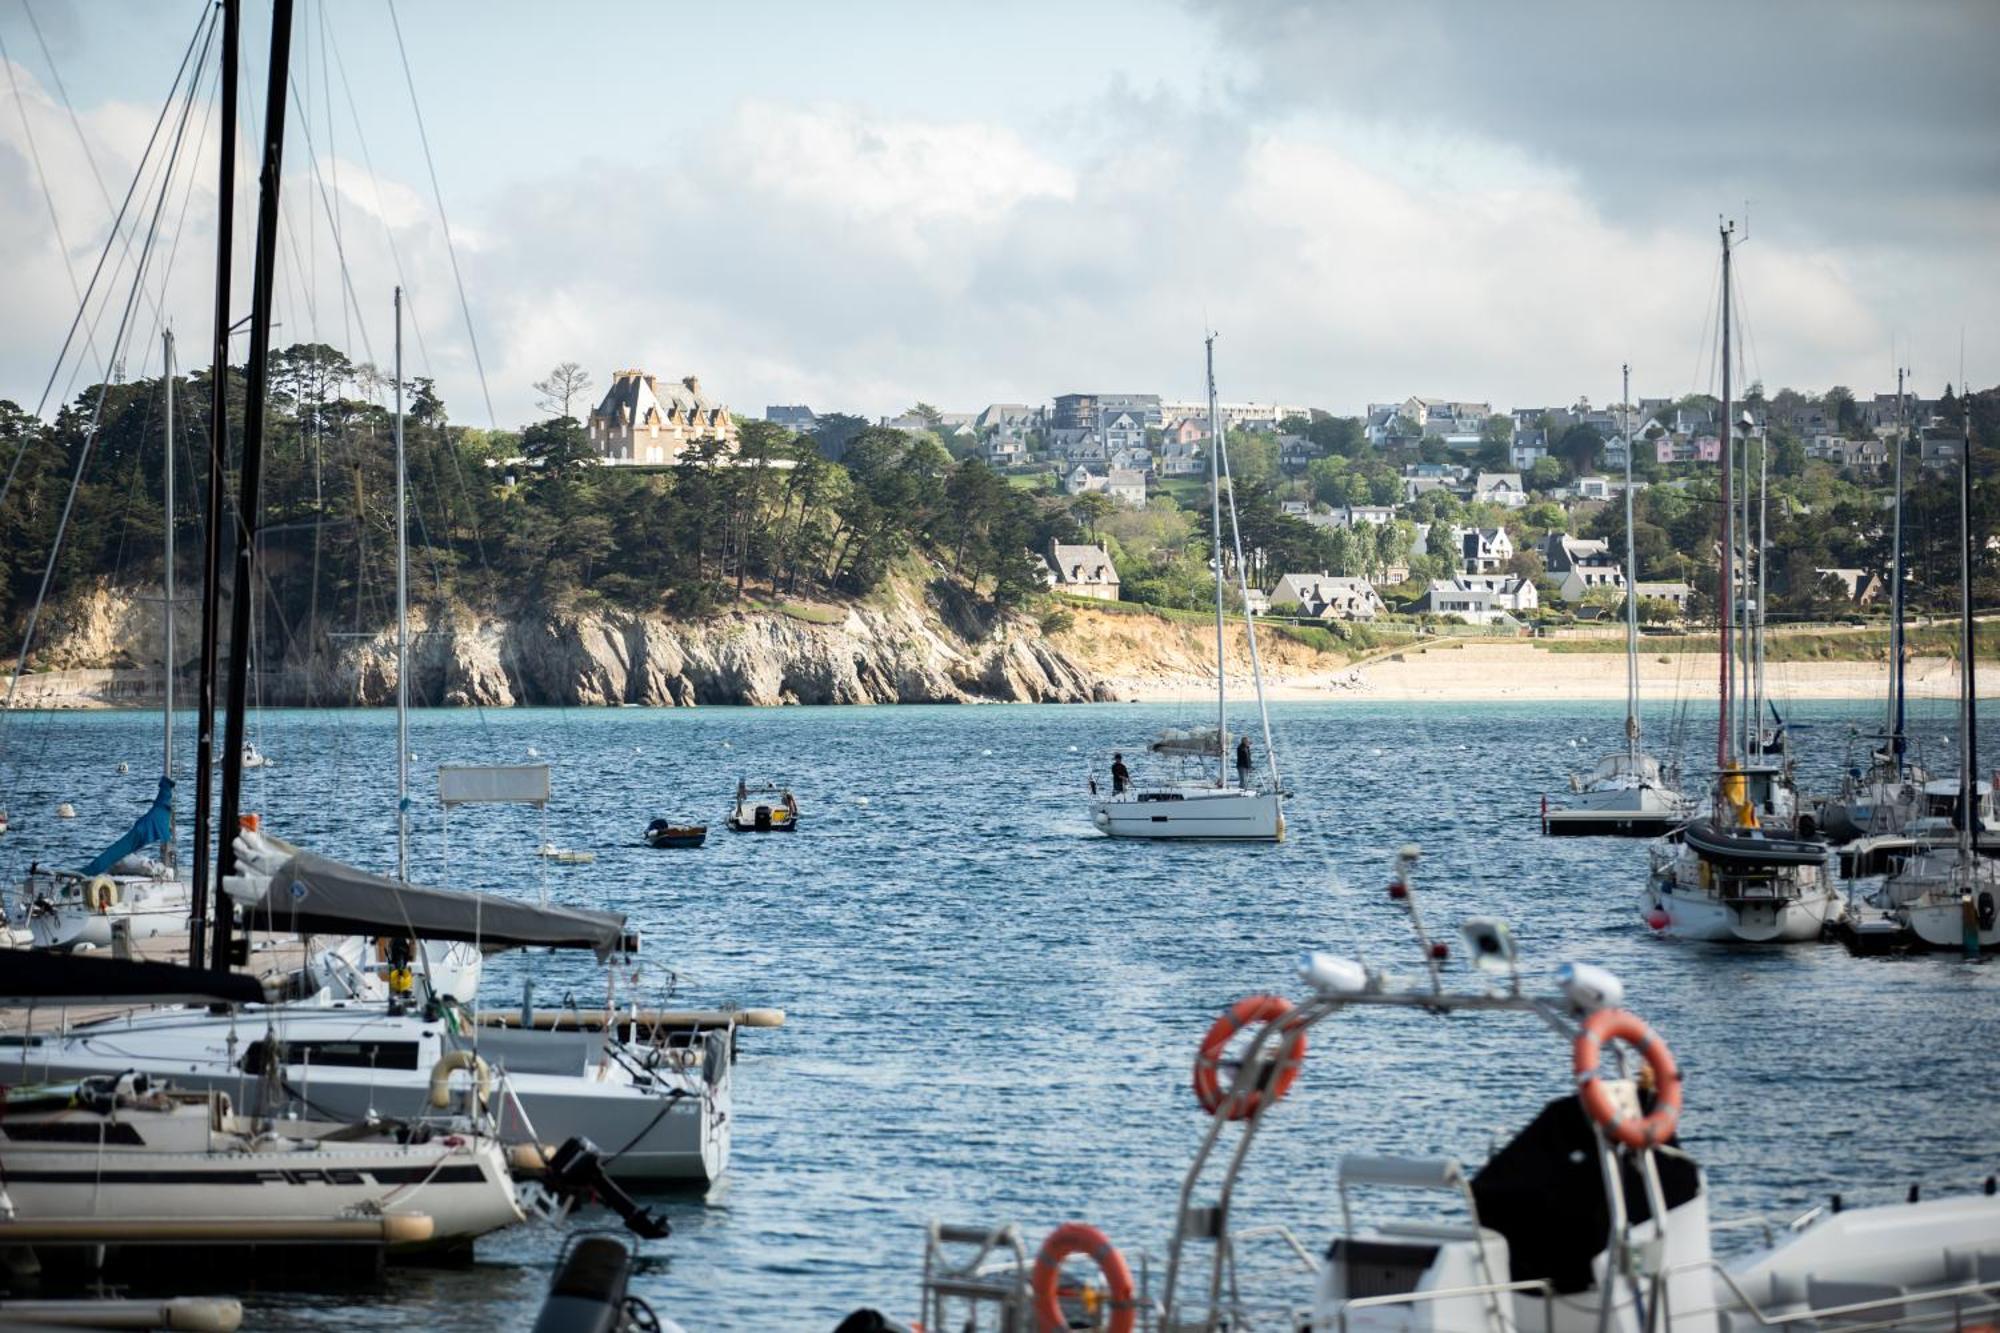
{"points": [[988, 754], [861, 800], [727, 746], [65, 811], [1072, 749], [533, 753], [124, 768]]}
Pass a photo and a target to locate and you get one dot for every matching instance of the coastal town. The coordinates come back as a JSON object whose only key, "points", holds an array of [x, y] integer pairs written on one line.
{"points": [[1427, 507]]}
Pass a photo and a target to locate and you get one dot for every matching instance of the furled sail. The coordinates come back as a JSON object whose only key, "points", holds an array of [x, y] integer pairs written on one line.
{"points": [[156, 825]]}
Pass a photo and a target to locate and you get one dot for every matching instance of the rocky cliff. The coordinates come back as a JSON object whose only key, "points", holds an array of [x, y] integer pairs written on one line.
{"points": [[907, 644]]}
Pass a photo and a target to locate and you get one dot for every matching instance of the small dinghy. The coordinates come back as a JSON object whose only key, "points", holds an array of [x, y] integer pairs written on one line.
{"points": [[1750, 846], [564, 856], [764, 810], [661, 833], [255, 758]]}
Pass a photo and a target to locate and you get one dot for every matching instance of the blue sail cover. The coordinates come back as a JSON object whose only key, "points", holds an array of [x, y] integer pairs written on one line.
{"points": [[156, 825]]}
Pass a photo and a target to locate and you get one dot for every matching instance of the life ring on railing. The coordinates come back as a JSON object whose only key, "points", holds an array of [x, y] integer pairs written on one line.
{"points": [[1647, 1131], [1208, 1089], [100, 894], [1073, 1238], [449, 1063]]}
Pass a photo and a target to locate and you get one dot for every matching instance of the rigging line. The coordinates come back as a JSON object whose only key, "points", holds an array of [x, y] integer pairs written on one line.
{"points": [[138, 173], [353, 300], [48, 195], [381, 211], [97, 414], [205, 14], [437, 192]]}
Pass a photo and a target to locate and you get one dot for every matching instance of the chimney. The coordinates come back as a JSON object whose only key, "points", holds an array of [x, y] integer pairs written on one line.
{"points": [[693, 384]]}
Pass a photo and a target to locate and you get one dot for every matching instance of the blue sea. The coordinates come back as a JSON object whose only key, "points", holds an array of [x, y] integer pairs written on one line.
{"points": [[993, 1010]]}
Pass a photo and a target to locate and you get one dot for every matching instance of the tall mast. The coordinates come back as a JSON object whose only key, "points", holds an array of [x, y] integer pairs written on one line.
{"points": [[243, 588], [1968, 742], [402, 624], [167, 689], [1725, 750], [1631, 584], [1215, 545], [1763, 504], [1897, 743], [218, 452]]}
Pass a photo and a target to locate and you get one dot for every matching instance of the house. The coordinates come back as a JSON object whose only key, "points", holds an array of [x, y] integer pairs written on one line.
{"points": [[1484, 550], [1940, 447], [1185, 430], [1501, 488], [1416, 486], [1294, 508], [1527, 448], [1073, 445], [1122, 431], [1475, 605], [1010, 419], [1562, 552], [1355, 515], [1584, 579], [1326, 597], [1074, 411], [1127, 486], [1083, 571], [795, 417], [1862, 587], [1676, 592], [1295, 451], [1179, 458], [1592, 488], [1082, 481], [1005, 451], [1510, 592], [640, 421]]}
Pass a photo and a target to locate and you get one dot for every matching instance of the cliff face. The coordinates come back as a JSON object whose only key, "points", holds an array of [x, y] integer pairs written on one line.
{"points": [[907, 645]]}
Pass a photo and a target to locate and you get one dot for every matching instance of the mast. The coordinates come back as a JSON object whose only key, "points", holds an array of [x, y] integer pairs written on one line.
{"points": [[1725, 750], [243, 588], [167, 690], [1968, 743], [1631, 586], [1763, 504], [1898, 744], [218, 451], [402, 624], [1215, 545]]}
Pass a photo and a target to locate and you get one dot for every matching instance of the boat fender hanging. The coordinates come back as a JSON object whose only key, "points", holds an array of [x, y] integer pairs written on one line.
{"points": [[1208, 1089], [1072, 1238], [100, 894], [449, 1063], [1647, 1131]]}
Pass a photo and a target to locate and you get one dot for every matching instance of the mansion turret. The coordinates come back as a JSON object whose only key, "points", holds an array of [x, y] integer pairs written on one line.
{"points": [[643, 421]]}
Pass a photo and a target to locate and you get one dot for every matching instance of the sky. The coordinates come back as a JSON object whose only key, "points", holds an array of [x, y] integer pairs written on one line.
{"points": [[861, 206]]}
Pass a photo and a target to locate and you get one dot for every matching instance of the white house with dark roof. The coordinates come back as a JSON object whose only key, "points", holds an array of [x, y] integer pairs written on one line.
{"points": [[1484, 550], [642, 421], [1501, 488], [1473, 601], [1326, 597], [1584, 579], [1083, 571], [1127, 486]]}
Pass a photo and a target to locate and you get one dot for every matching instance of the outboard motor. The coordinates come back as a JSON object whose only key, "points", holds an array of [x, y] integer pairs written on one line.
{"points": [[577, 1170], [589, 1294], [763, 819]]}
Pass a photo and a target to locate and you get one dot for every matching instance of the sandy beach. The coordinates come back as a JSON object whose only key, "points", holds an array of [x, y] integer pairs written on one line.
{"points": [[1522, 671]]}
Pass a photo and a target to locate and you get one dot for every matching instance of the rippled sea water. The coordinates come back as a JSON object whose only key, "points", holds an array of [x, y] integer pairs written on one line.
{"points": [[993, 1010]]}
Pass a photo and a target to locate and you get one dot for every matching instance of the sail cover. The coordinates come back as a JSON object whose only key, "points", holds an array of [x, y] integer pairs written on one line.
{"points": [[31, 977], [156, 825], [313, 894]]}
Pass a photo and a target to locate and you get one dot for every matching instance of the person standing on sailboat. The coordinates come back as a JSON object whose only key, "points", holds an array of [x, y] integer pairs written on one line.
{"points": [[1121, 776], [1243, 762]]}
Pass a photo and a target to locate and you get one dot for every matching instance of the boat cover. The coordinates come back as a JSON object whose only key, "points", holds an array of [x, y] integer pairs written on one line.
{"points": [[32, 977], [1545, 1193], [1750, 847], [156, 825], [287, 888]]}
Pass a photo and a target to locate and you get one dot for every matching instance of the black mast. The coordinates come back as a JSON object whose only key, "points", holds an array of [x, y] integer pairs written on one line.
{"points": [[1968, 796], [218, 451], [257, 374]]}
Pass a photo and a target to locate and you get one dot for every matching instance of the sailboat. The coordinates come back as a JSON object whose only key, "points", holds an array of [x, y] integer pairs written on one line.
{"points": [[144, 896], [1949, 897], [1730, 875], [1887, 797], [1197, 807], [1628, 794]]}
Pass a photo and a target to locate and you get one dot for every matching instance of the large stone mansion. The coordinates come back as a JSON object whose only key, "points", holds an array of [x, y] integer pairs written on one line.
{"points": [[643, 421]]}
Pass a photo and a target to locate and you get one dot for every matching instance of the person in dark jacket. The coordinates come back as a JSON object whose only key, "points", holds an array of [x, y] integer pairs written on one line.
{"points": [[1121, 776], [1243, 762]]}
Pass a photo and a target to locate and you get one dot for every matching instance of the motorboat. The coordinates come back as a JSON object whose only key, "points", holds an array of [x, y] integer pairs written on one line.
{"points": [[1195, 800], [255, 758], [1591, 1218], [664, 833], [765, 809], [356, 1048], [565, 856]]}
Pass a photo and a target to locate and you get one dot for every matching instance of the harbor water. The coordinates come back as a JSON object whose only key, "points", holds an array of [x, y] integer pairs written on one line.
{"points": [[993, 1010]]}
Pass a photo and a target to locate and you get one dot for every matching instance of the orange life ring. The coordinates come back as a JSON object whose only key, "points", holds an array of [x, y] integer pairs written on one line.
{"points": [[1646, 1131], [1081, 1238], [1208, 1089]]}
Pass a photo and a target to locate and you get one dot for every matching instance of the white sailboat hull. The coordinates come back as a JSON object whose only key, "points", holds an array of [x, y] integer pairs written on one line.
{"points": [[147, 907], [1794, 909], [669, 1124], [1218, 814]]}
